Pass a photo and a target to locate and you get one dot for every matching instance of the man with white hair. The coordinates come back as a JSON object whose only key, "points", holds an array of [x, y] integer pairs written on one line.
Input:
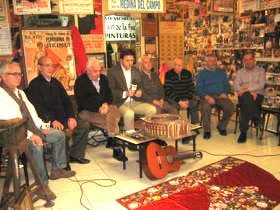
{"points": [[179, 89], [94, 99], [14, 104]]}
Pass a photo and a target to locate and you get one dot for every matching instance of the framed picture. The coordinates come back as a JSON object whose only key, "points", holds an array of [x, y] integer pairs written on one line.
{"points": [[223, 6], [56, 43], [100, 56]]}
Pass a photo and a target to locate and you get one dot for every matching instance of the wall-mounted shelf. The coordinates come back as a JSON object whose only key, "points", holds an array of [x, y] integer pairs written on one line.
{"points": [[268, 59]]}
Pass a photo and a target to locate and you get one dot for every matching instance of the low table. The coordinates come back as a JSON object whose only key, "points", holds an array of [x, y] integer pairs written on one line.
{"points": [[142, 141]]}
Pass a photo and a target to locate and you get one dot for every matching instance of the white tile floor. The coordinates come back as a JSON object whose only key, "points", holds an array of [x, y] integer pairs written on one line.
{"points": [[102, 166]]}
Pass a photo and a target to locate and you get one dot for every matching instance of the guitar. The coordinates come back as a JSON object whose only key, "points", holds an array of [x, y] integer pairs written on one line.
{"points": [[162, 160]]}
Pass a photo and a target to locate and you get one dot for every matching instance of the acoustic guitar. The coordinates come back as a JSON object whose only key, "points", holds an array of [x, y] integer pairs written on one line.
{"points": [[159, 161]]}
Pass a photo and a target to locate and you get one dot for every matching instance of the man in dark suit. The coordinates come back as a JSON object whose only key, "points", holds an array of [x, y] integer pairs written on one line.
{"points": [[53, 105], [94, 99], [125, 83]]}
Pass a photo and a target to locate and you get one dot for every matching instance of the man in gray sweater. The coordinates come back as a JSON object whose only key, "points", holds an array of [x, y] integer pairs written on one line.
{"points": [[152, 89], [249, 85]]}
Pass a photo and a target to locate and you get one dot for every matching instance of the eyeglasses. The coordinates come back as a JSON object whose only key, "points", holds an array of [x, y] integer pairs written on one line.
{"points": [[46, 65], [15, 74]]}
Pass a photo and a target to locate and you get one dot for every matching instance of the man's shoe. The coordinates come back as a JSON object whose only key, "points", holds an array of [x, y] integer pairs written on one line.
{"points": [[79, 160], [118, 155], [242, 138], [61, 173], [68, 167], [44, 193], [222, 132], [207, 135]]}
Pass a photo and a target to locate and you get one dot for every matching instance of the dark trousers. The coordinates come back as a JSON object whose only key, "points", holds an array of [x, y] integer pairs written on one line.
{"points": [[250, 109], [225, 104], [193, 111], [80, 139]]}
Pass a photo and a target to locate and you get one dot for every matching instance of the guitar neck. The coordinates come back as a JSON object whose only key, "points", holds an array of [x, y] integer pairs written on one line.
{"points": [[186, 155]]}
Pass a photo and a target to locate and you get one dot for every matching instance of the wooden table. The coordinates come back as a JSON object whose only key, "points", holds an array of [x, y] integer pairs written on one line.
{"points": [[140, 143]]}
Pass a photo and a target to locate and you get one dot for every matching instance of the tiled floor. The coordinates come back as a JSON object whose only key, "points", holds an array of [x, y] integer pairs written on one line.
{"points": [[102, 166]]}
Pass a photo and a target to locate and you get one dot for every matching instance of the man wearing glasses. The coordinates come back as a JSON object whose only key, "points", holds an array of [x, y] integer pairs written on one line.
{"points": [[53, 105], [16, 105]]}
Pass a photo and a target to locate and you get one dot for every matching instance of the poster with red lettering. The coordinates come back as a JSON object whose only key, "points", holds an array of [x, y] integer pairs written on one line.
{"points": [[54, 43]]}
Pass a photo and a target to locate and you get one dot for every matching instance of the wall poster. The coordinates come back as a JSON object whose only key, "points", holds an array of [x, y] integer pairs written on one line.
{"points": [[5, 33], [91, 30], [119, 28], [76, 6], [55, 43], [25, 7], [171, 41], [223, 5]]}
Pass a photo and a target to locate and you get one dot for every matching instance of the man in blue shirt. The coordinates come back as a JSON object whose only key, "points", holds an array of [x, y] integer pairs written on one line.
{"points": [[212, 87]]}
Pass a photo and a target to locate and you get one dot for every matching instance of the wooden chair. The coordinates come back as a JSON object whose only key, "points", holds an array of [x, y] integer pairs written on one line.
{"points": [[13, 136]]}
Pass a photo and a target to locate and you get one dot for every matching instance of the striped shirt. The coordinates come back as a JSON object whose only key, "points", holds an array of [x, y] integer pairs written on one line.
{"points": [[179, 86]]}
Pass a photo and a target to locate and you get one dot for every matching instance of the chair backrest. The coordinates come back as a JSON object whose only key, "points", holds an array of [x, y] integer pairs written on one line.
{"points": [[74, 104]]}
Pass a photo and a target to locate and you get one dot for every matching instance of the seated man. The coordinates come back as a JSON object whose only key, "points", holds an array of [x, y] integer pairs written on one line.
{"points": [[179, 89], [249, 85], [125, 83], [212, 87], [152, 89], [14, 104], [53, 105], [94, 98]]}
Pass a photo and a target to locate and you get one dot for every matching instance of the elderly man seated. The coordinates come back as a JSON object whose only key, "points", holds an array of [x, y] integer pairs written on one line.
{"points": [[179, 89], [16, 105], [52, 103], [213, 87], [152, 89], [94, 99]]}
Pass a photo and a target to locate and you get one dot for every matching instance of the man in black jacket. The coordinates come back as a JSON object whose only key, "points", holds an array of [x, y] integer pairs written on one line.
{"points": [[53, 105], [94, 99]]}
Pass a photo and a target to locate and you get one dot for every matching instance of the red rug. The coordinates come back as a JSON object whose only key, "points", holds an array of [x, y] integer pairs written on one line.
{"points": [[227, 184]]}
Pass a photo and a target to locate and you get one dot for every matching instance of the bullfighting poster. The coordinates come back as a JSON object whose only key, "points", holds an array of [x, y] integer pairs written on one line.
{"points": [[56, 44]]}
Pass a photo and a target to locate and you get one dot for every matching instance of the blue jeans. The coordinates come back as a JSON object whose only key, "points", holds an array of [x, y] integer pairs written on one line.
{"points": [[56, 140]]}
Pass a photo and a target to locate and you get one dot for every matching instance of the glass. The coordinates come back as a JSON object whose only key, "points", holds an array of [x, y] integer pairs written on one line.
{"points": [[15, 74]]}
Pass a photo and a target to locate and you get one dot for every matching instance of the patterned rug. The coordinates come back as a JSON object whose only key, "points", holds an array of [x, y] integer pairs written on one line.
{"points": [[227, 184]]}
